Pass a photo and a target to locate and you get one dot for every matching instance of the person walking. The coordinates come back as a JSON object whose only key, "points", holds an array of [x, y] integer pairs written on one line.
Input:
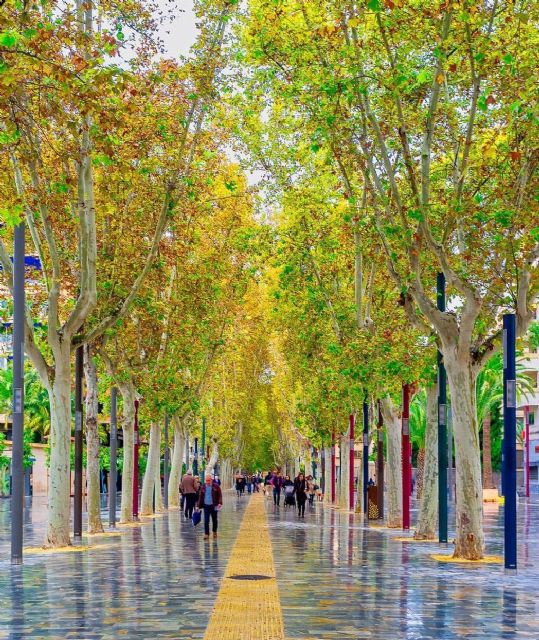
{"points": [[211, 500], [188, 488], [300, 489], [238, 484], [277, 482], [311, 490], [249, 483], [268, 483]]}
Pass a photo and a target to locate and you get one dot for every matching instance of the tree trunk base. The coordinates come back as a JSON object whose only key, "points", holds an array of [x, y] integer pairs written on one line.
{"points": [[472, 550], [57, 541], [424, 536]]}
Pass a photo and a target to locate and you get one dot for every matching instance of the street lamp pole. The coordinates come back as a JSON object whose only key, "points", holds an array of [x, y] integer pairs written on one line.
{"points": [[77, 499], [165, 465], [203, 447], [17, 466], [365, 459], [442, 425], [509, 462], [113, 457], [380, 463]]}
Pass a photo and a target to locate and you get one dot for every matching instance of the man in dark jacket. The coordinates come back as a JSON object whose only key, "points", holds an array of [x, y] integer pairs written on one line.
{"points": [[211, 500], [188, 488], [277, 482]]}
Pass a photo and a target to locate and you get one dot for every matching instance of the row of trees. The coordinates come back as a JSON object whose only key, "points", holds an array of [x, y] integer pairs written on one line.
{"points": [[399, 140], [141, 224], [396, 140]]}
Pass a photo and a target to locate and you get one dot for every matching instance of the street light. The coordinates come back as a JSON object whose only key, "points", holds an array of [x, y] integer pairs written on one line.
{"points": [[17, 467]]}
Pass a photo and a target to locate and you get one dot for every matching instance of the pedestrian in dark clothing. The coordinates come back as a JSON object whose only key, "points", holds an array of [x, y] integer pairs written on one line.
{"points": [[300, 490], [268, 484], [211, 500], [188, 488], [238, 485], [277, 483]]}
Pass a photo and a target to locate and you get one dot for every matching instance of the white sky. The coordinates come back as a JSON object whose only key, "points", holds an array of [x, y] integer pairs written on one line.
{"points": [[182, 31], [178, 37]]}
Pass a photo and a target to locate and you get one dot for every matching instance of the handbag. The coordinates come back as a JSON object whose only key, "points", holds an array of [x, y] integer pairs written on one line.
{"points": [[182, 501], [196, 518]]}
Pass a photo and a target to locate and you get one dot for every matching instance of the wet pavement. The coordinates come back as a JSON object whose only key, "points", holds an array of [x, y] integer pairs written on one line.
{"points": [[339, 579], [158, 580], [336, 579]]}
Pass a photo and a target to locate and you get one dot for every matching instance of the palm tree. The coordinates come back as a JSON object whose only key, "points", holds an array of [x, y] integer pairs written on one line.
{"points": [[36, 403], [489, 393]]}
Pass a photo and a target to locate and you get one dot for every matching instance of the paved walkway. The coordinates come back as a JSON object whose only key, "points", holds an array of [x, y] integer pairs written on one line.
{"points": [[324, 577]]}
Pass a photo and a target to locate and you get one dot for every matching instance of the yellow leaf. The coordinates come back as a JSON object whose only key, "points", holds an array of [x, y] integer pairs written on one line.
{"points": [[353, 22], [440, 78]]}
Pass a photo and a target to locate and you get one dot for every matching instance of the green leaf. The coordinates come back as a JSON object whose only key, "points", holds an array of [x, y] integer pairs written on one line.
{"points": [[9, 38], [415, 214], [11, 216], [374, 5]]}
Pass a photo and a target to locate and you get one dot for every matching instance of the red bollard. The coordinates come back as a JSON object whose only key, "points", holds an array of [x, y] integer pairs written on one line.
{"points": [[135, 465], [352, 457], [406, 457], [333, 467]]}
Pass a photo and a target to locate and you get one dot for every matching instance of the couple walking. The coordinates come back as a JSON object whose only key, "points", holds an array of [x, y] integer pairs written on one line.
{"points": [[296, 490], [208, 498]]}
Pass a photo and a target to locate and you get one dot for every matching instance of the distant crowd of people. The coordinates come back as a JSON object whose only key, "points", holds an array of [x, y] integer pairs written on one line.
{"points": [[247, 482], [208, 497]]}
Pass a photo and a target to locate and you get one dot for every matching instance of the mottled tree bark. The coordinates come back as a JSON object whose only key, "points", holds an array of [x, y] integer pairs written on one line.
{"points": [[148, 483], [93, 467], [176, 465], [394, 464], [428, 509]]}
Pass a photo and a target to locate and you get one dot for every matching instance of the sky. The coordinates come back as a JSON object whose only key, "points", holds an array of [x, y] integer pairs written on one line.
{"points": [[182, 31], [178, 37]]}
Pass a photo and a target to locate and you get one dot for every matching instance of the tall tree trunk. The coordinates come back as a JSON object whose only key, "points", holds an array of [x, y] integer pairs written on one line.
{"points": [[3, 478], [428, 510], [327, 475], [60, 442], [148, 484], [226, 474], [420, 472], [487, 452], [394, 464], [159, 506], [469, 541], [93, 470], [214, 456], [176, 466], [127, 389]]}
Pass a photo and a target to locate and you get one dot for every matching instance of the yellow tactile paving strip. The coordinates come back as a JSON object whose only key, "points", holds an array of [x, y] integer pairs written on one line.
{"points": [[246, 610]]}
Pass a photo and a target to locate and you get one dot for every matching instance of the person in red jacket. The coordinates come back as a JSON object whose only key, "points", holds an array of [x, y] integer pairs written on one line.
{"points": [[211, 501]]}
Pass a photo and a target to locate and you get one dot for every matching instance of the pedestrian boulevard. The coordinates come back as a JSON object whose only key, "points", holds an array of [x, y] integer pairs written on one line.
{"points": [[268, 576]]}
